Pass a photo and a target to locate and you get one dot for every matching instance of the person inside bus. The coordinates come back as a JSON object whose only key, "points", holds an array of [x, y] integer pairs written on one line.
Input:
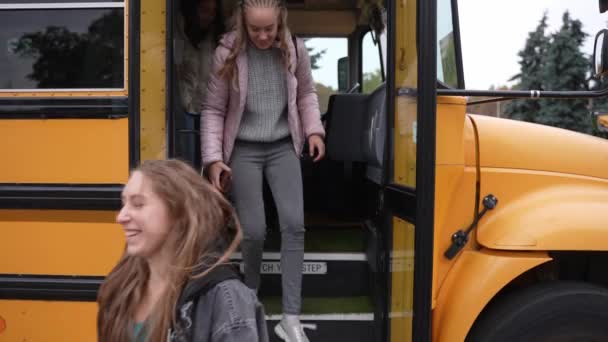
{"points": [[198, 30], [200, 26], [260, 108], [173, 282]]}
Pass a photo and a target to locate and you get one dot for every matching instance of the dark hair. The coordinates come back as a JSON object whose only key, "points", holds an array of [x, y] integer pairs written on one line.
{"points": [[189, 10]]}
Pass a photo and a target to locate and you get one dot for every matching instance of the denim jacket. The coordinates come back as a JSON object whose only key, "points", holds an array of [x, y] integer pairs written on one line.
{"points": [[227, 312]]}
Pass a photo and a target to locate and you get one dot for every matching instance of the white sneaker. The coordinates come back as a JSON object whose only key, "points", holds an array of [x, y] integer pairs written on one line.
{"points": [[289, 329]]}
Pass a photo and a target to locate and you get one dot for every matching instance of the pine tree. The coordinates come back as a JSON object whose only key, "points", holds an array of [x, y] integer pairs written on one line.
{"points": [[565, 68], [530, 78]]}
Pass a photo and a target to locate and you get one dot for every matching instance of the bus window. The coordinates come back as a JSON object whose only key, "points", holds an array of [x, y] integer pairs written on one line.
{"points": [[324, 55], [61, 45], [372, 71], [446, 50]]}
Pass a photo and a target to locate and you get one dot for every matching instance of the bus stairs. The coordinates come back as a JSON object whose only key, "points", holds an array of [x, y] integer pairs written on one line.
{"points": [[337, 303]]}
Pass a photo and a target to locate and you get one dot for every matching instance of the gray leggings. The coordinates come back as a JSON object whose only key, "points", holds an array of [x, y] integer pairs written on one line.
{"points": [[278, 162]]}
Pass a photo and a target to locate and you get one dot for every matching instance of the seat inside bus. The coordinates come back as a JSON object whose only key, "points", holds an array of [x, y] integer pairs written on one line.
{"points": [[355, 139]]}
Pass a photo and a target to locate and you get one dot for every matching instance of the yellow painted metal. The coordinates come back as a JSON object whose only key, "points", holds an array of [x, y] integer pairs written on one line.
{"points": [[59, 242], [450, 129], [533, 207], [406, 54], [537, 182], [405, 141], [404, 170], [322, 23], [454, 209], [454, 181], [153, 80], [406, 71], [64, 151], [525, 146], [475, 279], [46, 321], [402, 281]]}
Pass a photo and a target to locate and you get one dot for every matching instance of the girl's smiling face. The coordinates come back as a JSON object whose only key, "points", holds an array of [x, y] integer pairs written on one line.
{"points": [[144, 217]]}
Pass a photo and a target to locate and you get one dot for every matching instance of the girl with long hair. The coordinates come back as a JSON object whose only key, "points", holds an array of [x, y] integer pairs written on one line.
{"points": [[173, 282], [260, 108]]}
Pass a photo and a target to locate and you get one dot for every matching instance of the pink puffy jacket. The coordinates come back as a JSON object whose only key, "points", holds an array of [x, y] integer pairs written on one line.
{"points": [[224, 105]]}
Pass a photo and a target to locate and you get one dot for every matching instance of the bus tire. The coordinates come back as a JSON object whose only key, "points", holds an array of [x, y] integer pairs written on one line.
{"points": [[556, 311]]}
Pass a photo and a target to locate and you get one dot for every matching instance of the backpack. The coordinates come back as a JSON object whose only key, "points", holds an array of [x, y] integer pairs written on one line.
{"points": [[186, 318]]}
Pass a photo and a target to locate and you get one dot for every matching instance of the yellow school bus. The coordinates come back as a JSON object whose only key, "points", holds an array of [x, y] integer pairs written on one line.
{"points": [[424, 223]]}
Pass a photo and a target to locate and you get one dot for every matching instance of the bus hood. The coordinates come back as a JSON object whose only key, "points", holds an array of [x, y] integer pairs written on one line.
{"points": [[525, 146], [551, 185]]}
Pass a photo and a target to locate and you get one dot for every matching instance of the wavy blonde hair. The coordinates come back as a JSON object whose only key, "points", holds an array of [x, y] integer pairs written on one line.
{"points": [[239, 26], [204, 233]]}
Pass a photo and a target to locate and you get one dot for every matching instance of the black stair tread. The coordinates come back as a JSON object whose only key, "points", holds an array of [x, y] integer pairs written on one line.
{"points": [[315, 220], [332, 331], [328, 239], [323, 305]]}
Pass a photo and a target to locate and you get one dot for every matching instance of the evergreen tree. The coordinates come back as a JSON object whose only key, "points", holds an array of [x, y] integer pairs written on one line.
{"points": [[530, 78], [565, 68]]}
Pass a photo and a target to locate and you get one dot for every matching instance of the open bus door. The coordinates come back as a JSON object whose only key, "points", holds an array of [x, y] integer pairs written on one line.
{"points": [[408, 210], [392, 132], [389, 135]]}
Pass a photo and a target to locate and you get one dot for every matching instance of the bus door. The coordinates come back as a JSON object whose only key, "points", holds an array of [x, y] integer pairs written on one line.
{"points": [[408, 207], [396, 132]]}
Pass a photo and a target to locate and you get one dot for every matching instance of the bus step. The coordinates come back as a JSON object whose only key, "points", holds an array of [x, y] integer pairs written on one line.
{"points": [[324, 239], [331, 328], [325, 274], [328, 319]]}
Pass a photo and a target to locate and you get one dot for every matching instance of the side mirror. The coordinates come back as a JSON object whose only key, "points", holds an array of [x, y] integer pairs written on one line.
{"points": [[600, 53], [602, 121], [343, 74], [603, 6]]}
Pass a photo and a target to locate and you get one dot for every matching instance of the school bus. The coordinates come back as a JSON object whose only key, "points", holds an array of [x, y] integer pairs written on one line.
{"points": [[425, 223]]}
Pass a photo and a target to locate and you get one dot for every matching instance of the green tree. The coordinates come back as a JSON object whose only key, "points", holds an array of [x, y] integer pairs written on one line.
{"points": [[531, 65], [314, 57], [371, 80], [323, 93], [66, 59], [565, 68]]}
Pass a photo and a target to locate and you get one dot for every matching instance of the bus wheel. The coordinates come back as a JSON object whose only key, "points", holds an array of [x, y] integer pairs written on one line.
{"points": [[556, 312]]}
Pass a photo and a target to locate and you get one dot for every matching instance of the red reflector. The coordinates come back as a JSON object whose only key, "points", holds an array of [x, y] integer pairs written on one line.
{"points": [[2, 325]]}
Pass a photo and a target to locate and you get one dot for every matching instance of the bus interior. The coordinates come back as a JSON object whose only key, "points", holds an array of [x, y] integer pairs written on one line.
{"points": [[342, 192]]}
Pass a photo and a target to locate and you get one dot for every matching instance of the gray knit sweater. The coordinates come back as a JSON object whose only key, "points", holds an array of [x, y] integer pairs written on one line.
{"points": [[265, 115]]}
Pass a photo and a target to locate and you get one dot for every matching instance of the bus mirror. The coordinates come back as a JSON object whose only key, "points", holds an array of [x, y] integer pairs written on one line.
{"points": [[602, 121], [343, 74], [603, 6], [600, 53]]}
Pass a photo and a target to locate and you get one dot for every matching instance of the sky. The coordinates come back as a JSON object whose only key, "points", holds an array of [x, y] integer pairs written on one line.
{"points": [[335, 48], [492, 33]]}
